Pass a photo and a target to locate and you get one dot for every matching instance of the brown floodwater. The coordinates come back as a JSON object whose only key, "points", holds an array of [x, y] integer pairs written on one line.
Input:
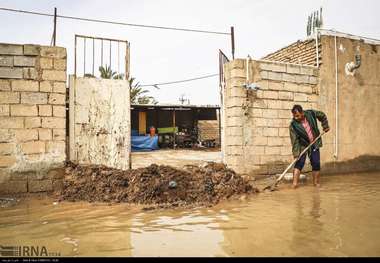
{"points": [[342, 218]]}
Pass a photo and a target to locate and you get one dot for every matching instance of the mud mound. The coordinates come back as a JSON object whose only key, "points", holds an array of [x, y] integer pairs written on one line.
{"points": [[154, 185]]}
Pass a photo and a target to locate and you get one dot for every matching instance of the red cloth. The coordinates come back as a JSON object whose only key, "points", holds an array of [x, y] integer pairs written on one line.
{"points": [[308, 130]]}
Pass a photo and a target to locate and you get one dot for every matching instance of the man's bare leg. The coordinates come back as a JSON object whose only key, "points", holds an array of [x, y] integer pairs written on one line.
{"points": [[296, 177], [316, 178]]}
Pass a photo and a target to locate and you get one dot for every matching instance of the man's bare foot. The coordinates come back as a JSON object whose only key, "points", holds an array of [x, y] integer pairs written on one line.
{"points": [[294, 186]]}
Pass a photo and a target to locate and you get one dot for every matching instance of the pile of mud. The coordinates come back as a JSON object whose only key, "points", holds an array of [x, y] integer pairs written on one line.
{"points": [[162, 185]]}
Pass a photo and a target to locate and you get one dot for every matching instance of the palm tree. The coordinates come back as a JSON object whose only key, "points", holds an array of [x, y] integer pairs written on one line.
{"points": [[107, 73], [137, 94]]}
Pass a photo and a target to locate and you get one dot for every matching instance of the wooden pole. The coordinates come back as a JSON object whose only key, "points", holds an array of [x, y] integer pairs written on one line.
{"points": [[174, 128]]}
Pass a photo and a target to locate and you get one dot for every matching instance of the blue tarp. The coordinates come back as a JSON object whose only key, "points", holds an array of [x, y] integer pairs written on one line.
{"points": [[144, 143]]}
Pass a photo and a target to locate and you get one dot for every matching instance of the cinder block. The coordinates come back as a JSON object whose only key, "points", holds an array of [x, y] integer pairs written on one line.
{"points": [[30, 73], [302, 79], [264, 74], [284, 114], [237, 63], [59, 111], [274, 104], [45, 134], [59, 87], [9, 97], [11, 122], [24, 110], [25, 85], [31, 50], [35, 186], [274, 141], [230, 112], [275, 76], [234, 141], [55, 98], [313, 80], [312, 98], [285, 95], [5, 85], [24, 135], [307, 71], [268, 94], [293, 69], [300, 97], [33, 147], [275, 85], [45, 110], [272, 67], [11, 73], [7, 161], [256, 112], [34, 98], [274, 123], [13, 187], [6, 61], [283, 132], [7, 148], [32, 122], [57, 147], [53, 52], [4, 110], [260, 122], [231, 131], [60, 134], [53, 122], [11, 49], [289, 86], [272, 150], [46, 63], [56, 75], [270, 113], [238, 73], [270, 132], [260, 140], [289, 77], [46, 86], [305, 89], [23, 61], [287, 105]]}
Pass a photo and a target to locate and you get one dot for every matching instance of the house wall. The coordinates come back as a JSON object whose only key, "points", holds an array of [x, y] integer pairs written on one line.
{"points": [[32, 117], [256, 123]]}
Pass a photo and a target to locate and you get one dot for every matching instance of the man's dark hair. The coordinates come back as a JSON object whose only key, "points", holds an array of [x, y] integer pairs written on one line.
{"points": [[297, 108]]}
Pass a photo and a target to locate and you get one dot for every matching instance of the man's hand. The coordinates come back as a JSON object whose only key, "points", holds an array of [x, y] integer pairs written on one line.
{"points": [[326, 130]]}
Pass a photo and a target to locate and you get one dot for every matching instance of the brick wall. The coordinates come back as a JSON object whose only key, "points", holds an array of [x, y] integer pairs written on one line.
{"points": [[32, 117], [256, 137], [300, 52], [208, 130]]}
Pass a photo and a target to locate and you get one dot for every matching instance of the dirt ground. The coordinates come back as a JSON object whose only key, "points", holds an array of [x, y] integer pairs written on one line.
{"points": [[157, 185], [176, 158]]}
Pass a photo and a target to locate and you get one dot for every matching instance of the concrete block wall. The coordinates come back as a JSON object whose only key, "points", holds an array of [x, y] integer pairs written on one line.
{"points": [[32, 117], [256, 136]]}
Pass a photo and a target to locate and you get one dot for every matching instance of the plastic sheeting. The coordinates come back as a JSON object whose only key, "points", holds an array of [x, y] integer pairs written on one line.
{"points": [[144, 143]]}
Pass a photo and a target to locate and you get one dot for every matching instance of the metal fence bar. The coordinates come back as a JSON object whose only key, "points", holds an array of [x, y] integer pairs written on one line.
{"points": [[84, 58], [93, 57]]}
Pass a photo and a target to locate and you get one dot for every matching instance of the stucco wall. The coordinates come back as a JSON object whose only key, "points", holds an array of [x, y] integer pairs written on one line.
{"points": [[32, 117], [100, 122], [358, 104]]}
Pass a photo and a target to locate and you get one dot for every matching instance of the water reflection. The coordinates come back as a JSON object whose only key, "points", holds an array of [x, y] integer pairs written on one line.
{"points": [[342, 218]]}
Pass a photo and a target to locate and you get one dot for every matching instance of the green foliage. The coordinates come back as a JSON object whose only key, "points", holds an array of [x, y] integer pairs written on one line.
{"points": [[138, 94]]}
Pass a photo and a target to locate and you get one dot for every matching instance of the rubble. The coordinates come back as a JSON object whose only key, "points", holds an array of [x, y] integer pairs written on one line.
{"points": [[159, 185]]}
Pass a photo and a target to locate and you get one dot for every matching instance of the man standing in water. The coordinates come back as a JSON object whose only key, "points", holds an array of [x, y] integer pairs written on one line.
{"points": [[303, 130]]}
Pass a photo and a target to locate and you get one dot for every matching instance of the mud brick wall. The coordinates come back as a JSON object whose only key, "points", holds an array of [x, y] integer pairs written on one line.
{"points": [[208, 130], [300, 52], [32, 117], [256, 137]]}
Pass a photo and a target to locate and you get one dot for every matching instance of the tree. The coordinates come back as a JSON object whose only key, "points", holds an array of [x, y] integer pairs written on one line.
{"points": [[137, 94], [107, 73]]}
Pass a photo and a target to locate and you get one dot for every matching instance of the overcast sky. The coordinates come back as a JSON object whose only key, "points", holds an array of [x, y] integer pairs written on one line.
{"points": [[261, 27]]}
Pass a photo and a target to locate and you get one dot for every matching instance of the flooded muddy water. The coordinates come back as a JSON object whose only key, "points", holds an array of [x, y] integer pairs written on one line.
{"points": [[342, 218]]}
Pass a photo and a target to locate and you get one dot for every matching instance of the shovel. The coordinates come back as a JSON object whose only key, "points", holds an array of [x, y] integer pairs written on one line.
{"points": [[273, 186]]}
